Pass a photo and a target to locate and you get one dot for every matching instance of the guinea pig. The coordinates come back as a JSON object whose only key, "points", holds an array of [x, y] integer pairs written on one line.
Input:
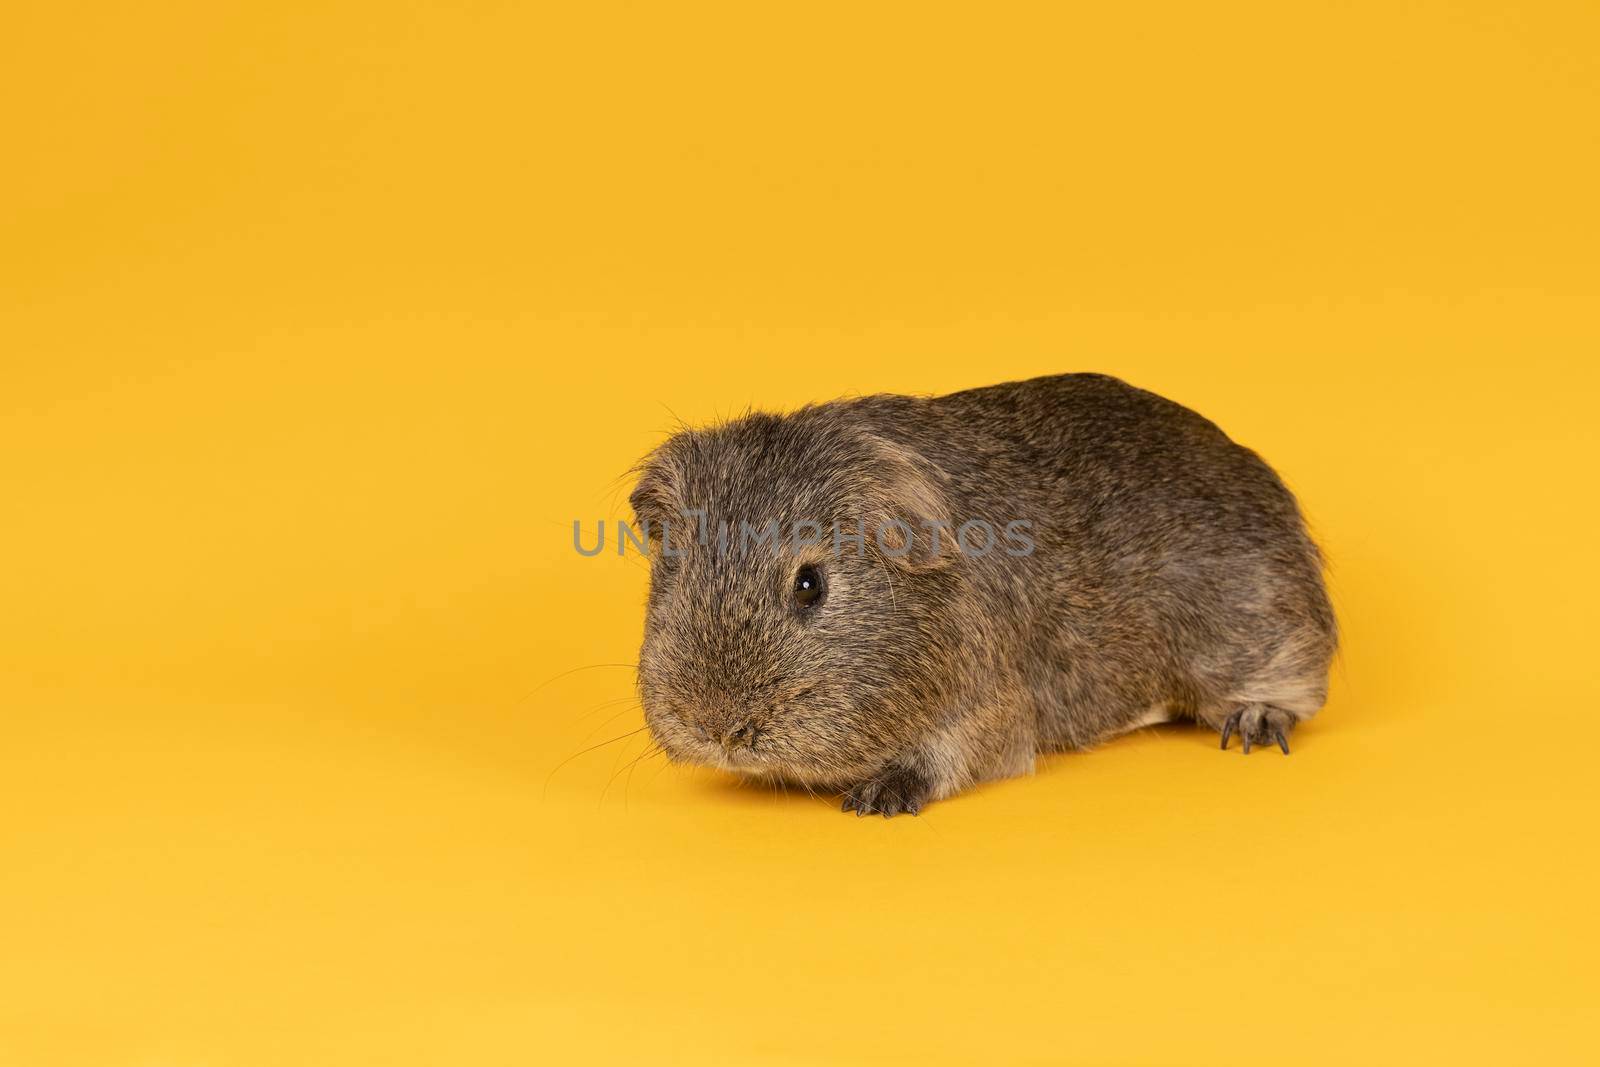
{"points": [[897, 597]]}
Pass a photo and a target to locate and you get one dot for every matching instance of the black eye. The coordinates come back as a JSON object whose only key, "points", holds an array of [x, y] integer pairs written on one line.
{"points": [[807, 587]]}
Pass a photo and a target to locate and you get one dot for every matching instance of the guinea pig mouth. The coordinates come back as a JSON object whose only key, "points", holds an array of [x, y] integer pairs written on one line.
{"points": [[751, 753], [755, 743], [738, 749], [739, 762], [733, 749]]}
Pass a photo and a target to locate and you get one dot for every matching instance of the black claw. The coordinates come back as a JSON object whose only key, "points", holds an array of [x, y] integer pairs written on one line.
{"points": [[1283, 742], [896, 791], [1245, 737], [1227, 730]]}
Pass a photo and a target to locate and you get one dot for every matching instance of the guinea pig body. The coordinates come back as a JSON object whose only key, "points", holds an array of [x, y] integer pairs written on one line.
{"points": [[897, 597]]}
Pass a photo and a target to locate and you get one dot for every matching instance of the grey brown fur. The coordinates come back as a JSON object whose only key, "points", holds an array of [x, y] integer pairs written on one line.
{"points": [[1172, 577]]}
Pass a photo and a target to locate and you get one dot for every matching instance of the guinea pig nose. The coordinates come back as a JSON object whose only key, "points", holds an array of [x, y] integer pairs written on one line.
{"points": [[741, 735]]}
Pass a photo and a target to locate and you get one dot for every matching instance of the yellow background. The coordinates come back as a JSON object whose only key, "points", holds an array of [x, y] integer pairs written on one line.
{"points": [[320, 322]]}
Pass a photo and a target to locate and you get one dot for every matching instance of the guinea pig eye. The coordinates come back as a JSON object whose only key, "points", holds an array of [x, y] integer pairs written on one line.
{"points": [[808, 587]]}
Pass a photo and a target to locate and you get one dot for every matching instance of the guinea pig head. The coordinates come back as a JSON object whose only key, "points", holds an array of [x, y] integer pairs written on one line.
{"points": [[801, 596]]}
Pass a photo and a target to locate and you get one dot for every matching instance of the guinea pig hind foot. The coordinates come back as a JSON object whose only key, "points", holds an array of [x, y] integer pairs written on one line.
{"points": [[1259, 724], [896, 790]]}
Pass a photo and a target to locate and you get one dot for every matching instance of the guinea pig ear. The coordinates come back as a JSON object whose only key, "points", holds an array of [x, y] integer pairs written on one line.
{"points": [[912, 512], [655, 498]]}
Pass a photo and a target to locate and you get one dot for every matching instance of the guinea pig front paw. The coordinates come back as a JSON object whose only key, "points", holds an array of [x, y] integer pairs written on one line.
{"points": [[895, 790], [1259, 724]]}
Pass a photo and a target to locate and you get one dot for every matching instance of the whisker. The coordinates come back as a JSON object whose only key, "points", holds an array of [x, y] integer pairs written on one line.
{"points": [[586, 712], [605, 704], [617, 772], [627, 782], [607, 722], [664, 765], [566, 674], [883, 569], [584, 751]]}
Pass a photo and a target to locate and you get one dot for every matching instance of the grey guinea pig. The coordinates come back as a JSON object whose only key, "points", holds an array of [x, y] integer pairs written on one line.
{"points": [[1023, 568]]}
